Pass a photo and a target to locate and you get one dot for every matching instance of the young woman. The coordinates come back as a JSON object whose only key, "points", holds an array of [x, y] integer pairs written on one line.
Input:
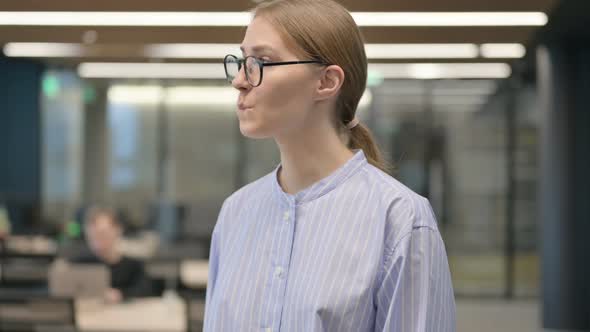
{"points": [[328, 241]]}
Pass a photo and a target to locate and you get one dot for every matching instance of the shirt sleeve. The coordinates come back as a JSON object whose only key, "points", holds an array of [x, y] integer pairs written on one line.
{"points": [[415, 293], [214, 256], [213, 266]]}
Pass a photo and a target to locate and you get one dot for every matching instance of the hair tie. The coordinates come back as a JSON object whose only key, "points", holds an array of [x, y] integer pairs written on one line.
{"points": [[352, 123]]}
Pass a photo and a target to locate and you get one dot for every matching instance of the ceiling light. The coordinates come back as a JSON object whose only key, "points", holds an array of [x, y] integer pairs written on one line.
{"points": [[215, 71], [52, 50], [57, 18], [213, 51], [185, 95], [151, 70], [202, 95], [502, 50], [49, 50], [128, 94], [191, 51], [373, 51], [441, 70], [420, 51], [174, 96], [450, 18]]}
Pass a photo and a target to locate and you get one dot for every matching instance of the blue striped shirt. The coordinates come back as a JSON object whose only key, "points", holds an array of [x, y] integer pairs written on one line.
{"points": [[356, 251]]}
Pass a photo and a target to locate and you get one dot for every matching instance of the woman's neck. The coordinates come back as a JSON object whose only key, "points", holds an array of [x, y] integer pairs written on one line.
{"points": [[310, 157]]}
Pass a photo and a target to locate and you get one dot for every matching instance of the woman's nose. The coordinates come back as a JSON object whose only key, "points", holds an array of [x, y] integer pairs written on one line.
{"points": [[240, 82]]}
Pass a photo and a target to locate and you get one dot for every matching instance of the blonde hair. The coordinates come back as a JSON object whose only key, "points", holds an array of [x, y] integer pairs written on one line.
{"points": [[324, 30]]}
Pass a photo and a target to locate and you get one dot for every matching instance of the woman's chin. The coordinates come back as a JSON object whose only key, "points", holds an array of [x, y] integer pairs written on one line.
{"points": [[250, 130]]}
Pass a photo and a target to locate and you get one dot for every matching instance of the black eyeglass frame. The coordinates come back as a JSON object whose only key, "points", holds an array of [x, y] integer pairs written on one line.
{"points": [[261, 65]]}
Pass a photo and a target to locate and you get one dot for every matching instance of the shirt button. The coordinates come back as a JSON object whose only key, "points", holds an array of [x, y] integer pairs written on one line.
{"points": [[286, 216], [279, 272]]}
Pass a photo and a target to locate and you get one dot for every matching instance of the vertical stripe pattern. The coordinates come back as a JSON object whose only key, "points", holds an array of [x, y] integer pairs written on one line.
{"points": [[356, 251]]}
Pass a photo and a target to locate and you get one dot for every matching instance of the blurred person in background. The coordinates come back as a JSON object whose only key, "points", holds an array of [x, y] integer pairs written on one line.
{"points": [[103, 235], [328, 241], [5, 226]]}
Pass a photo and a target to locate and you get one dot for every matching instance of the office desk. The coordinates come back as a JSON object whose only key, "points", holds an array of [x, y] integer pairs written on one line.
{"points": [[33, 313], [29, 246], [194, 273], [150, 314]]}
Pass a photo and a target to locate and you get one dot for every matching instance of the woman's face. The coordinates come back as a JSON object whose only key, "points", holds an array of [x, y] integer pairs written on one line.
{"points": [[283, 102]]}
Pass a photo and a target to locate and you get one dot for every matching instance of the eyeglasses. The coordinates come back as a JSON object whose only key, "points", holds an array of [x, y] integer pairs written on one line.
{"points": [[253, 67]]}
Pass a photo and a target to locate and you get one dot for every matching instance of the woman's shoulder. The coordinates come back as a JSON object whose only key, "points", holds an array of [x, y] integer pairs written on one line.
{"points": [[391, 187], [404, 211], [243, 198], [251, 191], [401, 202]]}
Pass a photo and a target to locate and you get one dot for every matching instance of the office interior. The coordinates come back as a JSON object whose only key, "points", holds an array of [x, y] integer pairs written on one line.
{"points": [[485, 113]]}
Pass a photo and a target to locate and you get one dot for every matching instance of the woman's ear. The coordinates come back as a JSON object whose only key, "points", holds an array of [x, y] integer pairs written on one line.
{"points": [[330, 82]]}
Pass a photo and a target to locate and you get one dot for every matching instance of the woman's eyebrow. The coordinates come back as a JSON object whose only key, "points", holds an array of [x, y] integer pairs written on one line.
{"points": [[259, 49]]}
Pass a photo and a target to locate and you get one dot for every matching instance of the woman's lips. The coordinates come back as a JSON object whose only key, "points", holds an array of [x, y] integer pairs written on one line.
{"points": [[243, 108]]}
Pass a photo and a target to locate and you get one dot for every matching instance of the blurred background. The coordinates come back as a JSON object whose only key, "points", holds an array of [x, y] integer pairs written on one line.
{"points": [[481, 106]]}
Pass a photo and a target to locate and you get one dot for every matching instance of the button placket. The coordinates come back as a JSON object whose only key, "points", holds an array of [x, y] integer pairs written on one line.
{"points": [[279, 272], [280, 262]]}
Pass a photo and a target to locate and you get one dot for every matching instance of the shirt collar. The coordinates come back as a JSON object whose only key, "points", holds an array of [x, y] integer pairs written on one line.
{"points": [[324, 185]]}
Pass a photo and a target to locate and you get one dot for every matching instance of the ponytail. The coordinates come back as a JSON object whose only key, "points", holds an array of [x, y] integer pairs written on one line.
{"points": [[361, 138]]}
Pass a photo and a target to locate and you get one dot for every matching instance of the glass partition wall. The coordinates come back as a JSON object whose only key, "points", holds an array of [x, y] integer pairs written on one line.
{"points": [[169, 152]]}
